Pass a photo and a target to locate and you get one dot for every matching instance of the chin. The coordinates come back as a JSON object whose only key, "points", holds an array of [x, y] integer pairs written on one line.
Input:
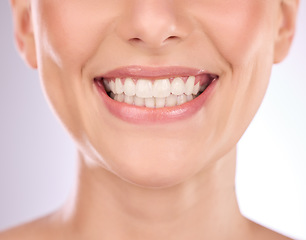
{"points": [[156, 172], [155, 179]]}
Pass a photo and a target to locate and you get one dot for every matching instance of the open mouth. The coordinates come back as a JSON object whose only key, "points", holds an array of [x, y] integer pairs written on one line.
{"points": [[156, 93]]}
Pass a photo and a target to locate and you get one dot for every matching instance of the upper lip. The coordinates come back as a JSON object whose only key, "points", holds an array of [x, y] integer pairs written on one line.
{"points": [[153, 72]]}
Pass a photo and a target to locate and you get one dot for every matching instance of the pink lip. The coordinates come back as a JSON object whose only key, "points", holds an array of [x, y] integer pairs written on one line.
{"points": [[152, 72], [143, 115]]}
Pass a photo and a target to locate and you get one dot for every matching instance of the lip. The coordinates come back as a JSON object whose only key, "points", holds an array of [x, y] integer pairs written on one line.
{"points": [[153, 72], [143, 115]]}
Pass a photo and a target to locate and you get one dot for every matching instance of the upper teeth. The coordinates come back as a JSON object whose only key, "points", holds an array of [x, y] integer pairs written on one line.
{"points": [[159, 93], [161, 88]]}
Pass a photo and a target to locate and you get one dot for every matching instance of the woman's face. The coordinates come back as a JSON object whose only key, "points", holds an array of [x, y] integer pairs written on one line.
{"points": [[78, 42]]}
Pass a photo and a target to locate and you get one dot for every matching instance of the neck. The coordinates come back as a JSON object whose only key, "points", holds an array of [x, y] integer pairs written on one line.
{"points": [[204, 207]]}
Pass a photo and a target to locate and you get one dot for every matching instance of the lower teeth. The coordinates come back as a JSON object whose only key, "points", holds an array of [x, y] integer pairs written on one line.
{"points": [[153, 102]]}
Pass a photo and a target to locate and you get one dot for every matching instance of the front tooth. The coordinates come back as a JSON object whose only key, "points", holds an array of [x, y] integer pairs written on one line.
{"points": [[118, 86], [177, 86], [144, 89], [196, 88], [160, 102], [171, 100], [112, 86], [161, 88], [129, 87], [139, 101], [128, 99], [106, 85], [189, 85], [181, 99], [150, 102]]}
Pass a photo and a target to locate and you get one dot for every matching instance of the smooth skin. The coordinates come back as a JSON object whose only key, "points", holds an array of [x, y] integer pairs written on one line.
{"points": [[159, 181]]}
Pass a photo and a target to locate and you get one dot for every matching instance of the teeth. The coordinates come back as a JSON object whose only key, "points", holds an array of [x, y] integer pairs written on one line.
{"points": [[129, 87], [112, 95], [181, 99], [144, 88], [129, 99], [171, 101], [139, 101], [160, 102], [150, 102], [112, 86], [107, 86], [189, 85], [196, 89], [119, 97], [161, 88], [203, 87], [189, 97], [177, 86], [118, 86], [154, 94]]}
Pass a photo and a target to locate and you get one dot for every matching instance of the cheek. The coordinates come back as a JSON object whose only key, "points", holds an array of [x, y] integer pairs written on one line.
{"points": [[237, 28], [71, 32], [241, 32], [68, 33]]}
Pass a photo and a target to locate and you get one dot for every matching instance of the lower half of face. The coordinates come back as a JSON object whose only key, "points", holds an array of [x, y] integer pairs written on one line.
{"points": [[155, 91]]}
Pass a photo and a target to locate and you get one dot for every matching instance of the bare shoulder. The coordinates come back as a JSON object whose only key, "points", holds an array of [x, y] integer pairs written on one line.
{"points": [[41, 228], [260, 232]]}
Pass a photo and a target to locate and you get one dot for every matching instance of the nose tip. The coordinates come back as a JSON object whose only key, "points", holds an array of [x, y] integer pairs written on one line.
{"points": [[152, 24]]}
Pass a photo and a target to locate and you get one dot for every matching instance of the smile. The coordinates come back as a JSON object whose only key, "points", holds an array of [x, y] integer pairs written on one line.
{"points": [[145, 95], [167, 92]]}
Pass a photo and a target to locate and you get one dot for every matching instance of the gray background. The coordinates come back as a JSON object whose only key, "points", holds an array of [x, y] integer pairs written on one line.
{"points": [[37, 165]]}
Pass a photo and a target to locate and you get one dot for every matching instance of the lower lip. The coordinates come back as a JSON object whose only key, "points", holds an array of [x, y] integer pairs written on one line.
{"points": [[143, 115]]}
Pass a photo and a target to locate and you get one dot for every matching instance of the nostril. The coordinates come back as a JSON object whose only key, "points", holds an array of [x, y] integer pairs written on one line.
{"points": [[156, 43], [135, 40], [171, 39]]}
